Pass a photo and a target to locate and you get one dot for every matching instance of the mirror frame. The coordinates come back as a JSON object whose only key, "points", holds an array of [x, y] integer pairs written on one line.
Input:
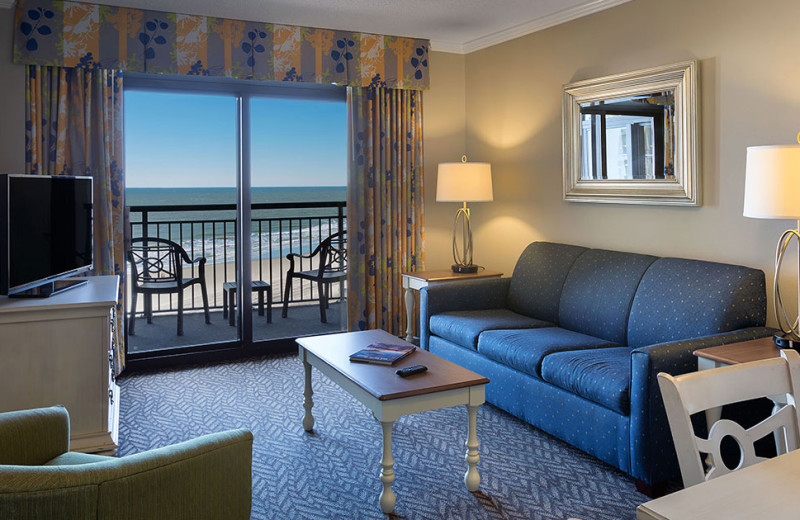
{"points": [[684, 189]]}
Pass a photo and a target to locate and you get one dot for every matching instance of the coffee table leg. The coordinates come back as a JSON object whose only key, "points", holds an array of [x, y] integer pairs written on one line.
{"points": [[387, 469], [471, 478], [308, 402]]}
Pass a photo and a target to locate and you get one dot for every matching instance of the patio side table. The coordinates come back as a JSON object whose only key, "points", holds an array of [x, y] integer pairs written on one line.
{"points": [[229, 300]]}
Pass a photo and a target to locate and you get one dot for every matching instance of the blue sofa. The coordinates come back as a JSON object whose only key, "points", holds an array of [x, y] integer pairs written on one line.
{"points": [[573, 340]]}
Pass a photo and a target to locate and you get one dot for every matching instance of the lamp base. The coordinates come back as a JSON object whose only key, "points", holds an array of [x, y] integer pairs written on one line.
{"points": [[464, 268], [786, 341]]}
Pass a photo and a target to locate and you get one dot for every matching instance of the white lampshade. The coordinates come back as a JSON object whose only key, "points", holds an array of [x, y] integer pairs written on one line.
{"points": [[772, 182], [464, 182]]}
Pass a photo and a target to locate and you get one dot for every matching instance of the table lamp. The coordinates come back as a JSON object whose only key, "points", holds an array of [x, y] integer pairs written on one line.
{"points": [[772, 190], [463, 182]]}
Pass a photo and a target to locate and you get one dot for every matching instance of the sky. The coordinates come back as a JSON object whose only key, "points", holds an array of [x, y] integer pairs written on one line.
{"points": [[189, 140]]}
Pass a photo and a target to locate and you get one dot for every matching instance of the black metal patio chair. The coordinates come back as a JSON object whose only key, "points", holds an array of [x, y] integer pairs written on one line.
{"points": [[331, 258], [157, 266]]}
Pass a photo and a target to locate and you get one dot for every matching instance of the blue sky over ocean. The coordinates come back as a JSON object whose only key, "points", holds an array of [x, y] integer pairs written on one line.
{"points": [[175, 140]]}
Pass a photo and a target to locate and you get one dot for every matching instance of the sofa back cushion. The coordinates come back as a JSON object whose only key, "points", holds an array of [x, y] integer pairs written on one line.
{"points": [[598, 293], [538, 278], [680, 299]]}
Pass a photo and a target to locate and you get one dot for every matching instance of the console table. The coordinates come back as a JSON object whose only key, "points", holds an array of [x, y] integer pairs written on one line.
{"points": [[419, 279], [58, 350]]}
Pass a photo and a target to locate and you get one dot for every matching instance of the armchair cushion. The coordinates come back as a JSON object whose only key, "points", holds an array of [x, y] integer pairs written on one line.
{"points": [[464, 327], [525, 349], [599, 375], [72, 458]]}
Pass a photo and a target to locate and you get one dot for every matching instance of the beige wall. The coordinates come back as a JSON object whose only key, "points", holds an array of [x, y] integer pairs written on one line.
{"points": [[12, 102], [444, 141], [749, 72]]}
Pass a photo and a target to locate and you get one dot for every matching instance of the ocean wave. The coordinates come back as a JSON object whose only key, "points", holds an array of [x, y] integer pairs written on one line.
{"points": [[265, 245]]}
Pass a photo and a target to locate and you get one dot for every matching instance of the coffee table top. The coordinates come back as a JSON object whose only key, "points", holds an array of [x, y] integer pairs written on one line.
{"points": [[380, 380]]}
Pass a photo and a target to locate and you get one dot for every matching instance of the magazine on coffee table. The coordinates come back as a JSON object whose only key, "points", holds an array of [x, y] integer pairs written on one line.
{"points": [[382, 353]]}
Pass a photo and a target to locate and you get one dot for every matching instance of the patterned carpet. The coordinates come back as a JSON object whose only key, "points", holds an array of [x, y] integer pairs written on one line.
{"points": [[333, 473]]}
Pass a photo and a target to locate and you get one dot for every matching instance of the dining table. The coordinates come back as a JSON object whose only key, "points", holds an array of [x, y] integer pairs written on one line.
{"points": [[768, 489]]}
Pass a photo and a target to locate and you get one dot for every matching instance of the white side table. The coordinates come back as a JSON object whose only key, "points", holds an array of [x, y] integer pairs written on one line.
{"points": [[417, 280]]}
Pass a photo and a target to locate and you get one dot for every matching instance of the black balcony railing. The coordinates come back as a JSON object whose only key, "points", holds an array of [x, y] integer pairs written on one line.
{"points": [[209, 230]]}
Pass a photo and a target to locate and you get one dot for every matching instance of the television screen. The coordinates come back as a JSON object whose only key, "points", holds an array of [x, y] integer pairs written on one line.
{"points": [[49, 226]]}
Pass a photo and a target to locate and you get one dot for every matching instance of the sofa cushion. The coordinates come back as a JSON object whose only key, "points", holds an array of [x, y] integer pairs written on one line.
{"points": [[599, 375], [679, 299], [538, 278], [598, 293], [525, 349], [464, 327]]}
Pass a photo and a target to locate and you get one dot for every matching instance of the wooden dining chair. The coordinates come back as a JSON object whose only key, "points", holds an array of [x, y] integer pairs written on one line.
{"points": [[688, 394]]}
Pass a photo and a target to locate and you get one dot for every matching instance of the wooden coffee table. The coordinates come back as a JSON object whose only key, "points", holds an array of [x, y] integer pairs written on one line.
{"points": [[389, 396]]}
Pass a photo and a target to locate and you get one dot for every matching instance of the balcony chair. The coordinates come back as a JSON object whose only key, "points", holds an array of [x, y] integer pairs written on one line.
{"points": [[688, 394], [157, 266], [207, 477], [331, 266]]}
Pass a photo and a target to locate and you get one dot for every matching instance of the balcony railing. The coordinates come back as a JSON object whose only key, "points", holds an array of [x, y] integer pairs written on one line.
{"points": [[209, 230]]}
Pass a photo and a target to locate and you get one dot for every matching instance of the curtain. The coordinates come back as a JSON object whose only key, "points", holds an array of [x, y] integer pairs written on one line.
{"points": [[384, 204], [74, 127]]}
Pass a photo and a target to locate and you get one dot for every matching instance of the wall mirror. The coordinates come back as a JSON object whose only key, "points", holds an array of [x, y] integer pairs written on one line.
{"points": [[632, 138]]}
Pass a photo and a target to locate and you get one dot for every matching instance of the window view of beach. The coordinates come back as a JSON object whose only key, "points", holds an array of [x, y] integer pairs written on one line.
{"points": [[181, 177]]}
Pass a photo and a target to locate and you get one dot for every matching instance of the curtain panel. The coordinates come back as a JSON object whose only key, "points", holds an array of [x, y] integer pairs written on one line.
{"points": [[88, 35], [384, 204], [74, 127]]}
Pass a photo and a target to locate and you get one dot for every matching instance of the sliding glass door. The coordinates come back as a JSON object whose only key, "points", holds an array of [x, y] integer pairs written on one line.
{"points": [[238, 176], [298, 172]]}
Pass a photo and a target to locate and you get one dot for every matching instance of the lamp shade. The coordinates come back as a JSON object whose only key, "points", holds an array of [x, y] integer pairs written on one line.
{"points": [[772, 182], [464, 182]]}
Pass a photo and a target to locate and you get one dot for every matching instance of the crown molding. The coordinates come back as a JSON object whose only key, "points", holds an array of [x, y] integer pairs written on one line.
{"points": [[7, 4], [537, 24], [441, 46]]}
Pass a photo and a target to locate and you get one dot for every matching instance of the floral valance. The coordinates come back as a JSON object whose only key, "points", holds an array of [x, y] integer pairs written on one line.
{"points": [[78, 34]]}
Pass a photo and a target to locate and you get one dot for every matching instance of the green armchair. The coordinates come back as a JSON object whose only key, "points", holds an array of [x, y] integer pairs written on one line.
{"points": [[208, 477]]}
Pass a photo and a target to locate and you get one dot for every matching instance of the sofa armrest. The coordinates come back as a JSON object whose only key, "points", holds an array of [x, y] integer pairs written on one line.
{"points": [[33, 437], [207, 477], [488, 293], [653, 456]]}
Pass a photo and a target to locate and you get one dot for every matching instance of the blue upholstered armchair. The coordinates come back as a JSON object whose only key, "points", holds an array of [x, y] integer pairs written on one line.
{"points": [[208, 477]]}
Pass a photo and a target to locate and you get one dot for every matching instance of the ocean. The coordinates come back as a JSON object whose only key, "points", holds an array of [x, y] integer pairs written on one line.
{"points": [[210, 233]]}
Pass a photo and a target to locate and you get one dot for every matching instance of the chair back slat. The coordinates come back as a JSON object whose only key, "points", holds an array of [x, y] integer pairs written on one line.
{"points": [[333, 254], [155, 260], [688, 394]]}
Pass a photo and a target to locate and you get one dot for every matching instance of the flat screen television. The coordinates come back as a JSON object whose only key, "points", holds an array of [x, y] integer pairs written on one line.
{"points": [[45, 232]]}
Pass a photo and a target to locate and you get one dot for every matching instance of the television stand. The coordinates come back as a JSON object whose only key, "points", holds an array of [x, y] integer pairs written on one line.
{"points": [[61, 350], [49, 289]]}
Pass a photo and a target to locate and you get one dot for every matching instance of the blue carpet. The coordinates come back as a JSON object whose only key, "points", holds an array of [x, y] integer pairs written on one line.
{"points": [[333, 472]]}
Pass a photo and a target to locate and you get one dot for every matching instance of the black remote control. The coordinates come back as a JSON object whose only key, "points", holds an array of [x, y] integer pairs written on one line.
{"points": [[410, 371]]}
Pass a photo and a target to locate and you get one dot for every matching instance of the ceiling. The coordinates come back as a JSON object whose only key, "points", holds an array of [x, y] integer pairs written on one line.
{"points": [[459, 26]]}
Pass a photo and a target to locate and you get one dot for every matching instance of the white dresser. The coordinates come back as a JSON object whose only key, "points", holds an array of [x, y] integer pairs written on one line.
{"points": [[58, 350]]}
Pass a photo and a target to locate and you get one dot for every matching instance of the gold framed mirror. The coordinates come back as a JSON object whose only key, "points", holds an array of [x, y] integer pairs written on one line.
{"points": [[631, 138]]}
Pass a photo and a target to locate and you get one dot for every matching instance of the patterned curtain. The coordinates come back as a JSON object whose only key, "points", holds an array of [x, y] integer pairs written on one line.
{"points": [[384, 204], [74, 127]]}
